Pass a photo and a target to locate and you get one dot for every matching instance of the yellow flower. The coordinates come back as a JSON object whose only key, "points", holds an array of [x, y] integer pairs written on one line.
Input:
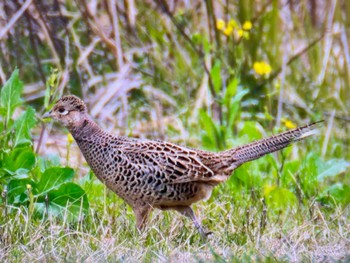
{"points": [[228, 30], [220, 24], [242, 33], [233, 23], [70, 138], [247, 25], [289, 124], [29, 187], [262, 68]]}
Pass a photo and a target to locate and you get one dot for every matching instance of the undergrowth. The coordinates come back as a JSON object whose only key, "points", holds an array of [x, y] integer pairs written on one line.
{"points": [[205, 74]]}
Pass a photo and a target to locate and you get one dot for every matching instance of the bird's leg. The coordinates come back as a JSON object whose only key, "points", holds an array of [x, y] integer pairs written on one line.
{"points": [[188, 212], [142, 213]]}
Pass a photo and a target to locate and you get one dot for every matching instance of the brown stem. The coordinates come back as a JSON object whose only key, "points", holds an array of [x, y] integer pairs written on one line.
{"points": [[199, 52]]}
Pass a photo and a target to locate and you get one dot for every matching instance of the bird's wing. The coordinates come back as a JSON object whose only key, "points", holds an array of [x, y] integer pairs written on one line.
{"points": [[178, 163]]}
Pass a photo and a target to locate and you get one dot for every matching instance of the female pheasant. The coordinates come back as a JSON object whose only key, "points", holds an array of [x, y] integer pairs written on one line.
{"points": [[151, 174]]}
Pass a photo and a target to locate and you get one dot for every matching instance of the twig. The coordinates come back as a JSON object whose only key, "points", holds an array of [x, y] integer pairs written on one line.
{"points": [[14, 19], [114, 14], [98, 31], [291, 60], [212, 22], [33, 43], [2, 75], [199, 52], [328, 133], [46, 32], [327, 43], [281, 91]]}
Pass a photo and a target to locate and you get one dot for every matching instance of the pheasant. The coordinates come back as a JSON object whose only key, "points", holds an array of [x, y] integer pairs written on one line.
{"points": [[150, 174]]}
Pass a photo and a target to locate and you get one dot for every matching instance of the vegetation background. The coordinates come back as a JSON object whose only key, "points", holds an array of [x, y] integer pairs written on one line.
{"points": [[206, 74]]}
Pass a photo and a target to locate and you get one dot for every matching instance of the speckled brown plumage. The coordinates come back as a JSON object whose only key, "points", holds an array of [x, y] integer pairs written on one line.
{"points": [[155, 174]]}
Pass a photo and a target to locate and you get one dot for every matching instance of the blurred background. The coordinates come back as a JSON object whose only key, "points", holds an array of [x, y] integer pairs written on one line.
{"points": [[163, 68], [204, 74]]}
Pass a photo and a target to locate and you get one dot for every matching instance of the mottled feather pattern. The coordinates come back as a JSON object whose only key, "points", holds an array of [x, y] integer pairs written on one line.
{"points": [[156, 174]]}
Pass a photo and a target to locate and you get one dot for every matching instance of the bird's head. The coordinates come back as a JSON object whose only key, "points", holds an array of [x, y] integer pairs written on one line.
{"points": [[68, 110]]}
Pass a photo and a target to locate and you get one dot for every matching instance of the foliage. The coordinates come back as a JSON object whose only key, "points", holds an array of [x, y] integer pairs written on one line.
{"points": [[207, 74], [44, 192]]}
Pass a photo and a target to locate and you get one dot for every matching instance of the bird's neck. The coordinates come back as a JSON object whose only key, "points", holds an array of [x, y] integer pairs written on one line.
{"points": [[86, 128]]}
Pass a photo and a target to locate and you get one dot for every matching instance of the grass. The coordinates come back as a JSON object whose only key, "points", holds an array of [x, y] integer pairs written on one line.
{"points": [[109, 234], [176, 76], [244, 229]]}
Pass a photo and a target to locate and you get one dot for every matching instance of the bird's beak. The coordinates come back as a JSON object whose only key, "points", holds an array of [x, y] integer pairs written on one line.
{"points": [[47, 115]]}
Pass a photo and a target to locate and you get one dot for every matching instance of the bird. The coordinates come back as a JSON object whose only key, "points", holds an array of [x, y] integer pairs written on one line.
{"points": [[155, 174]]}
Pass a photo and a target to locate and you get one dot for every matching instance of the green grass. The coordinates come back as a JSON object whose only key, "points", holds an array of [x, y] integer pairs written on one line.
{"points": [[310, 233], [182, 80]]}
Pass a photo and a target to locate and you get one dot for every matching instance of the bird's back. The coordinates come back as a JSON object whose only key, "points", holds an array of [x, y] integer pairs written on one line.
{"points": [[159, 173]]}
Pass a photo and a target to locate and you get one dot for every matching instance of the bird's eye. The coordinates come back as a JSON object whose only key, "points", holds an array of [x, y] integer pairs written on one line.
{"points": [[62, 111]]}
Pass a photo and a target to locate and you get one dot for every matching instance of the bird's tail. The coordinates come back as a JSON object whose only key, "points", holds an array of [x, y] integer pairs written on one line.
{"points": [[271, 144]]}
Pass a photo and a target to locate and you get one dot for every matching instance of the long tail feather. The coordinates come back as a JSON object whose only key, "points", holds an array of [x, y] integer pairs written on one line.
{"points": [[271, 144]]}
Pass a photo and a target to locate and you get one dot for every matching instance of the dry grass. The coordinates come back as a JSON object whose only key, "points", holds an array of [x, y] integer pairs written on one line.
{"points": [[112, 237], [141, 72]]}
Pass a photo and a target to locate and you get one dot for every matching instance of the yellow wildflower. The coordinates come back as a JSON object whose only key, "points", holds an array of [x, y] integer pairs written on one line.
{"points": [[220, 24], [70, 138], [29, 187], [233, 23], [242, 33], [228, 30], [289, 124], [247, 25], [262, 68]]}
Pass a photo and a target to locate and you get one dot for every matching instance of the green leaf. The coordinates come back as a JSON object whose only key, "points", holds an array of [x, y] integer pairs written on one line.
{"points": [[211, 136], [290, 169], [234, 106], [19, 158], [53, 178], [23, 125], [336, 194], [17, 190], [332, 168], [10, 94], [251, 129], [215, 74], [279, 198], [69, 199], [230, 91]]}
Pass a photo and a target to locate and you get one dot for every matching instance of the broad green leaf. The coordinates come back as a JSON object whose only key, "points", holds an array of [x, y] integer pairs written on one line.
{"points": [[19, 158], [279, 198], [338, 193], [241, 176], [230, 91], [238, 97], [53, 178], [234, 107], [10, 94], [69, 199], [290, 168], [22, 126], [17, 190], [332, 168], [251, 130], [2, 111], [215, 74], [50, 160], [211, 136]]}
